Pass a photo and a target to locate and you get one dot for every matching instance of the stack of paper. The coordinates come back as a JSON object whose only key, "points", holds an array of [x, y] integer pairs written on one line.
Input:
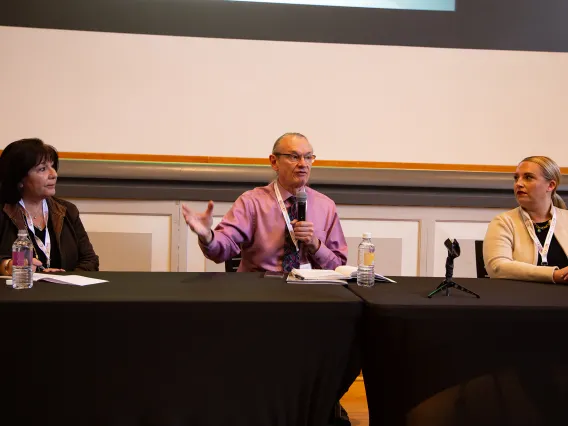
{"points": [[341, 273], [316, 276], [67, 279]]}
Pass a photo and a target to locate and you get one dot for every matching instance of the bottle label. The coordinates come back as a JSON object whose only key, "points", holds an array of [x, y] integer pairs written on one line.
{"points": [[22, 258], [369, 259]]}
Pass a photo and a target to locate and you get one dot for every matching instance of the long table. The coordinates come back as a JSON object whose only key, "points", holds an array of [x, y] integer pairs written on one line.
{"points": [[173, 349], [457, 360]]}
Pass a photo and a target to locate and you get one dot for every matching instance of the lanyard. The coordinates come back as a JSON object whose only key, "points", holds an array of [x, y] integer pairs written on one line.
{"points": [[45, 248], [285, 214], [543, 251]]}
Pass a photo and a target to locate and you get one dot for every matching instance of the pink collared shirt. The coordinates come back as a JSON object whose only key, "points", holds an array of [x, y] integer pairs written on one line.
{"points": [[255, 224]]}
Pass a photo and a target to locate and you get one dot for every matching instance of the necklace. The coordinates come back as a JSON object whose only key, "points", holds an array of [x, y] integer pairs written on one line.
{"points": [[36, 214], [541, 227]]}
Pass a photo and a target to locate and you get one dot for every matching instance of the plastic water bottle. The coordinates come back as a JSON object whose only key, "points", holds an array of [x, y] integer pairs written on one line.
{"points": [[366, 262], [22, 255]]}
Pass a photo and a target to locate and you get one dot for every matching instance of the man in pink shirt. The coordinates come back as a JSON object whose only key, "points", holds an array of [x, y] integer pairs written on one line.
{"points": [[262, 223], [262, 226]]}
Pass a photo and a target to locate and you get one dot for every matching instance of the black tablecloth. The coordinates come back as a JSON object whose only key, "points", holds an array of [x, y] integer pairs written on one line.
{"points": [[174, 349], [457, 360]]}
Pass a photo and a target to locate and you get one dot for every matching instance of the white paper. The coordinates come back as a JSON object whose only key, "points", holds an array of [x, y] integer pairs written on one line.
{"points": [[68, 279], [348, 271], [292, 279], [343, 272], [318, 274]]}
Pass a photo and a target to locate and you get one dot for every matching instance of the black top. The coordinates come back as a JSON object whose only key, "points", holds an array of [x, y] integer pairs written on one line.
{"points": [[556, 256], [39, 254]]}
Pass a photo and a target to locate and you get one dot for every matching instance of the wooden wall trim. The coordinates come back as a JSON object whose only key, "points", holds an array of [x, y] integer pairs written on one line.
{"points": [[194, 159], [263, 161]]}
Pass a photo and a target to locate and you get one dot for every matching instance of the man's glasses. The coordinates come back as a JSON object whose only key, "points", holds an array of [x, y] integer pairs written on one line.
{"points": [[295, 158]]}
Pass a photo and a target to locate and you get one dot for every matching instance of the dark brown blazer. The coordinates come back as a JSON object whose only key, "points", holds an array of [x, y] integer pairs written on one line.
{"points": [[76, 251]]}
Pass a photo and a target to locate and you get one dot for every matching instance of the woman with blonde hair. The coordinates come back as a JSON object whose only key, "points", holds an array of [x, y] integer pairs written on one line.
{"points": [[530, 242]]}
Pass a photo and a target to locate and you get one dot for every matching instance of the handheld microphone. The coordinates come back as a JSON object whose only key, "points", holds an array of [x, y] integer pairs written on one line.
{"points": [[301, 199]]}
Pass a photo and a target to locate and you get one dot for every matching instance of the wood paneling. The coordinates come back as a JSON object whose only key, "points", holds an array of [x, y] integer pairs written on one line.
{"points": [[160, 158], [264, 161]]}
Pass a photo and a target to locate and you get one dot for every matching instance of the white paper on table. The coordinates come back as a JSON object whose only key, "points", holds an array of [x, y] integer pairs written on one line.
{"points": [[68, 279], [293, 279], [344, 272]]}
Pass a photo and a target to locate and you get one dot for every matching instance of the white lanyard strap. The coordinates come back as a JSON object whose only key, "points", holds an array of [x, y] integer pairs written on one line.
{"points": [[543, 251], [285, 215], [45, 248]]}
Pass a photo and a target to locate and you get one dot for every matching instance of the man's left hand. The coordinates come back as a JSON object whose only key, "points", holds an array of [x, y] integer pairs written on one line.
{"points": [[304, 232]]}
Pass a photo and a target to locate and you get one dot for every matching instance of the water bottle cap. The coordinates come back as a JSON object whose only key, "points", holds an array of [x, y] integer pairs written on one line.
{"points": [[366, 235], [9, 282]]}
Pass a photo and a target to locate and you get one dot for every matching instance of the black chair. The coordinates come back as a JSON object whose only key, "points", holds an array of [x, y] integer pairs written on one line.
{"points": [[232, 264], [480, 265]]}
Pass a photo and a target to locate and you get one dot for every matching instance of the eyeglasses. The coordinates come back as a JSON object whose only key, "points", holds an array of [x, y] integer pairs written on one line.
{"points": [[295, 158]]}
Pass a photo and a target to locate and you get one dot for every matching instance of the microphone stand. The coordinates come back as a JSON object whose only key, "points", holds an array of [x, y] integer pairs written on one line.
{"points": [[448, 283]]}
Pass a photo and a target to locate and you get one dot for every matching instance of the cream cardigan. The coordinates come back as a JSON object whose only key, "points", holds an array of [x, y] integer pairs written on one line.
{"points": [[509, 251]]}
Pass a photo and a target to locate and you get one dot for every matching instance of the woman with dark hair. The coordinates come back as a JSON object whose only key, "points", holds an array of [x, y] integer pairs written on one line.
{"points": [[28, 174]]}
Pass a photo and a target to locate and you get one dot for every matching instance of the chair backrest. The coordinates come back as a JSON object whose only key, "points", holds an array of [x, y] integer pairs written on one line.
{"points": [[480, 265], [232, 264]]}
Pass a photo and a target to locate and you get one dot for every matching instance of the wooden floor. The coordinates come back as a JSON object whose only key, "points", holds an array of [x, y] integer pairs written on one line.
{"points": [[355, 403]]}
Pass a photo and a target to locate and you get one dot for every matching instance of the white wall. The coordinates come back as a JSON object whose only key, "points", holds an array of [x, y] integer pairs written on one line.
{"points": [[124, 93]]}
